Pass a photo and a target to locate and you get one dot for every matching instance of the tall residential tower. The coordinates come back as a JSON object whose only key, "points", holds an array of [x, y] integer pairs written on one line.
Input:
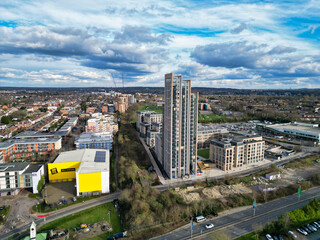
{"points": [[180, 119]]}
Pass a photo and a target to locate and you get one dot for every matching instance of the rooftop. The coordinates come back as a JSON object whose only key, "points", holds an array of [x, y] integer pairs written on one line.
{"points": [[296, 127], [33, 168], [28, 141], [12, 167], [94, 137], [92, 160]]}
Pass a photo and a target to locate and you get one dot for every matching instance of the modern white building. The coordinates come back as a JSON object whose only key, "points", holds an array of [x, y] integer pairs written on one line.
{"points": [[16, 176]]}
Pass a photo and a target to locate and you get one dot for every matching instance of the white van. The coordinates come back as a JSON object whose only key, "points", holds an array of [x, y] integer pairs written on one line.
{"points": [[200, 219]]}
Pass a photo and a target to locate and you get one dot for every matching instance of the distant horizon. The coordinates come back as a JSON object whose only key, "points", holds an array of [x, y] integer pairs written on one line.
{"points": [[220, 44], [119, 88]]}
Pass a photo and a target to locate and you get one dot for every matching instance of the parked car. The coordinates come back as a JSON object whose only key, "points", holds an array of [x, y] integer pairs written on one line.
{"points": [[268, 236], [312, 228], [74, 199], [293, 234], [215, 214], [275, 237], [302, 231], [209, 226], [200, 219], [280, 237], [315, 225], [306, 229]]}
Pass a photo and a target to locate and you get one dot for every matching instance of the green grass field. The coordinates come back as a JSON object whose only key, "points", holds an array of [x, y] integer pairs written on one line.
{"points": [[204, 153], [89, 216], [249, 236], [152, 108], [211, 117]]}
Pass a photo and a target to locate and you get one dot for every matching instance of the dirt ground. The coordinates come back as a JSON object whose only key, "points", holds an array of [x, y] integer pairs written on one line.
{"points": [[95, 229], [213, 192], [288, 176], [57, 191]]}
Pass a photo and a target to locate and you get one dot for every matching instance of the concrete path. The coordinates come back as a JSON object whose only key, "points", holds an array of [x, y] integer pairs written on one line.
{"points": [[154, 163]]}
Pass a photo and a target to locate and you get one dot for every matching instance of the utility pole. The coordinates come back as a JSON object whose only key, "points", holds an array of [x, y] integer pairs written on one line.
{"points": [[191, 227]]}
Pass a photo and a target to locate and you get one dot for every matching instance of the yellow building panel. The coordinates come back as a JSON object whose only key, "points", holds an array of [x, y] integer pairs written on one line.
{"points": [[61, 171], [89, 182]]}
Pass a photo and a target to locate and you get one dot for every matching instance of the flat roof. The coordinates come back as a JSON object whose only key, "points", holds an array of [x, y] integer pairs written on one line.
{"points": [[35, 134], [27, 141], [91, 137], [33, 168], [295, 127], [12, 167], [87, 158]]}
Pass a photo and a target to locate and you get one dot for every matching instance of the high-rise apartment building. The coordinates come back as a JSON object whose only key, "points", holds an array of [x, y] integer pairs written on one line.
{"points": [[180, 119]]}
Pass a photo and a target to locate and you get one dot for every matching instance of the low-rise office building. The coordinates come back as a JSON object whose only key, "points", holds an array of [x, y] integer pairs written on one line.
{"points": [[89, 168], [92, 140], [19, 175], [236, 153], [304, 131]]}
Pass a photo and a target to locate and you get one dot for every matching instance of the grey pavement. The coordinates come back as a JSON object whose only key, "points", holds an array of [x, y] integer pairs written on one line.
{"points": [[19, 210], [242, 222]]}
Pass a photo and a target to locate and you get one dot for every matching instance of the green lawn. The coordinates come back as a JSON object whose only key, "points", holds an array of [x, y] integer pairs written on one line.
{"points": [[89, 216], [152, 108], [34, 195], [211, 117], [204, 153], [305, 162], [249, 236]]}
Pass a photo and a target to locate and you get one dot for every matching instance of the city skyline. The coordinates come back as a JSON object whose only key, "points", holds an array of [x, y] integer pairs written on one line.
{"points": [[221, 44]]}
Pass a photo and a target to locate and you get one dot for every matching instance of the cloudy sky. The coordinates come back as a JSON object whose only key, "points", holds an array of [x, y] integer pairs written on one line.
{"points": [[219, 43]]}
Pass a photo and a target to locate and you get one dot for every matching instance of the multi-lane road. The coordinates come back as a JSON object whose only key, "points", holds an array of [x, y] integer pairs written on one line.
{"points": [[243, 222]]}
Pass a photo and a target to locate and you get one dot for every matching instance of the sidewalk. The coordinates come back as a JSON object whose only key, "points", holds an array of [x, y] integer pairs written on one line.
{"points": [[154, 164]]}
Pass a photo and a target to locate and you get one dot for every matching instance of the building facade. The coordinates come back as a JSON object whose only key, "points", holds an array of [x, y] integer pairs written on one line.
{"points": [[19, 148], [99, 123], [92, 140], [180, 121], [236, 153], [19, 175], [207, 132]]}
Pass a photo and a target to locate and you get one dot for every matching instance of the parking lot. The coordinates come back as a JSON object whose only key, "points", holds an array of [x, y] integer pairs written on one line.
{"points": [[56, 192]]}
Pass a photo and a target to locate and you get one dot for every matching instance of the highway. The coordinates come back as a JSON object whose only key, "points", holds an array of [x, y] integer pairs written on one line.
{"points": [[65, 212], [242, 222]]}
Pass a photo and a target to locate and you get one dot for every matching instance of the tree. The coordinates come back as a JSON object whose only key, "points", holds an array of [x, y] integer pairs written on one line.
{"points": [[41, 184], [83, 106], [6, 119]]}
